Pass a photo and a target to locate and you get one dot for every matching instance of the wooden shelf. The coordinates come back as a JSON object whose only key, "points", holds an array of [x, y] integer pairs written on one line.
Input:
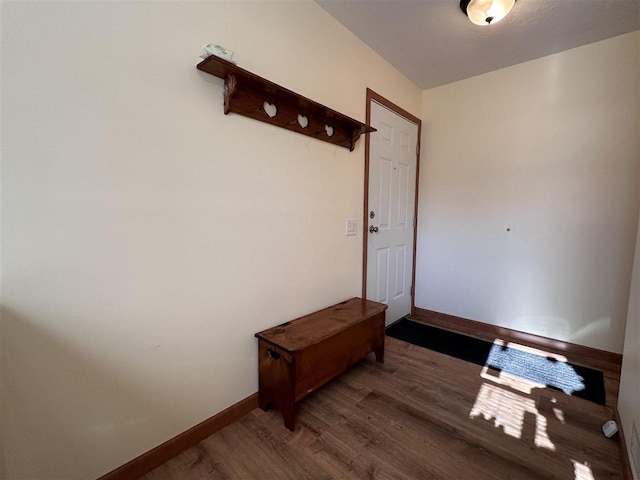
{"points": [[255, 97]]}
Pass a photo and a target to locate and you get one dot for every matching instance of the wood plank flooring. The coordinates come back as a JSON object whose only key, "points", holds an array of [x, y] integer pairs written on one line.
{"points": [[611, 371], [420, 415]]}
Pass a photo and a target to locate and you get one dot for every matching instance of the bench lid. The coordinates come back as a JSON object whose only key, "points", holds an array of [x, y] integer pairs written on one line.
{"points": [[315, 327]]}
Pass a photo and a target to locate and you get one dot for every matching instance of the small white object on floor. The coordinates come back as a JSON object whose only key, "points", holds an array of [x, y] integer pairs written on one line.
{"points": [[218, 51], [610, 429]]}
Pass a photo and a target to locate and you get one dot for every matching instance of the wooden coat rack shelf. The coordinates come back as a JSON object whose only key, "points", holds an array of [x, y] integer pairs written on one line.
{"points": [[255, 97]]}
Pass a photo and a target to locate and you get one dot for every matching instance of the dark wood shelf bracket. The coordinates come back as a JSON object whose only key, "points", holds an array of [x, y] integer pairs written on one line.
{"points": [[255, 97]]}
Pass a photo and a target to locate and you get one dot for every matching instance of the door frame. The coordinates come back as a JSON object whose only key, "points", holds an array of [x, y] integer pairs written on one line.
{"points": [[375, 97]]}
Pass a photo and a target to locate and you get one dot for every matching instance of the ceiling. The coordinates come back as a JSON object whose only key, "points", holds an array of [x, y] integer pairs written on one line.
{"points": [[432, 42]]}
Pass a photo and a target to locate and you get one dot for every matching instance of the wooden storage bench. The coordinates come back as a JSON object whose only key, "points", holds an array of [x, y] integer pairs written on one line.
{"points": [[299, 356]]}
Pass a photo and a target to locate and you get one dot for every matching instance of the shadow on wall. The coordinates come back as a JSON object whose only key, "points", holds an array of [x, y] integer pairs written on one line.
{"points": [[556, 327], [62, 415], [587, 334]]}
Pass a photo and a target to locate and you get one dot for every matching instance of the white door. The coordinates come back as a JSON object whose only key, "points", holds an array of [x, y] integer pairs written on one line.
{"points": [[391, 205]]}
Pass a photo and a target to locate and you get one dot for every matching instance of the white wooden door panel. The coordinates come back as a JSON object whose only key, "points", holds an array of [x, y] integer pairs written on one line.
{"points": [[382, 273], [392, 180]]}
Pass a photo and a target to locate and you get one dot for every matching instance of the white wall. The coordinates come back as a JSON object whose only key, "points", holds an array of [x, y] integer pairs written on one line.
{"points": [[548, 149], [629, 395], [146, 236]]}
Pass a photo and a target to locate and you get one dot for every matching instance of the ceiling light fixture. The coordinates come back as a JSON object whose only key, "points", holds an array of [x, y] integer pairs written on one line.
{"points": [[486, 12]]}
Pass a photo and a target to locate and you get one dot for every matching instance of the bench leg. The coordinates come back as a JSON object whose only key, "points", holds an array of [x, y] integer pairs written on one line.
{"points": [[263, 402], [288, 414], [379, 353]]}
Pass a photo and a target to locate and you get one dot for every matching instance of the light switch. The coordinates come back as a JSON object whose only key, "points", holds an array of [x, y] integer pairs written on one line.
{"points": [[352, 224]]}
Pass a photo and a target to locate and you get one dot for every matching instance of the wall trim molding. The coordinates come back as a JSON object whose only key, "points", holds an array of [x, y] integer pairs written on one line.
{"points": [[579, 353], [169, 449]]}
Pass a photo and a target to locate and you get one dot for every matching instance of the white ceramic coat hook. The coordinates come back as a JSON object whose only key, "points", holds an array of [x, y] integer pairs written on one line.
{"points": [[329, 129], [303, 120], [270, 109]]}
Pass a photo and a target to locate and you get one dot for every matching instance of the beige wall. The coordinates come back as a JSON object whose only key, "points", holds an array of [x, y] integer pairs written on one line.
{"points": [[549, 150], [629, 396], [146, 236]]}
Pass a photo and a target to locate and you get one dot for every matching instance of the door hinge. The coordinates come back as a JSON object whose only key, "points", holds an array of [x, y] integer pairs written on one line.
{"points": [[417, 149], [411, 290], [415, 222]]}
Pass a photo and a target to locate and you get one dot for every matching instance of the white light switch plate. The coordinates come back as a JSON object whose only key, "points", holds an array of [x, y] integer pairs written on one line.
{"points": [[352, 226]]}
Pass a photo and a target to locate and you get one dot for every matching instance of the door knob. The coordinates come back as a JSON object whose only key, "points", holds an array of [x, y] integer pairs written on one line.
{"points": [[373, 229]]}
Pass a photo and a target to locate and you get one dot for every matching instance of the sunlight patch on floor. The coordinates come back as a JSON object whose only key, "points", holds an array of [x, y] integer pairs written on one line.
{"points": [[503, 378], [507, 410], [525, 368], [504, 399], [535, 351], [582, 471], [558, 413]]}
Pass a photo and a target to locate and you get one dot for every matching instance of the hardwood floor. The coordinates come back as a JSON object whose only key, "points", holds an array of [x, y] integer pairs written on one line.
{"points": [[610, 369], [419, 415]]}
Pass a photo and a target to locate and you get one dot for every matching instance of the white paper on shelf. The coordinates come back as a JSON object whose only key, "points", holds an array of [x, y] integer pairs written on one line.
{"points": [[218, 51]]}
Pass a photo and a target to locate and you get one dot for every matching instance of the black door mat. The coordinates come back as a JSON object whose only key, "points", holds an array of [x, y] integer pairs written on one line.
{"points": [[572, 379]]}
